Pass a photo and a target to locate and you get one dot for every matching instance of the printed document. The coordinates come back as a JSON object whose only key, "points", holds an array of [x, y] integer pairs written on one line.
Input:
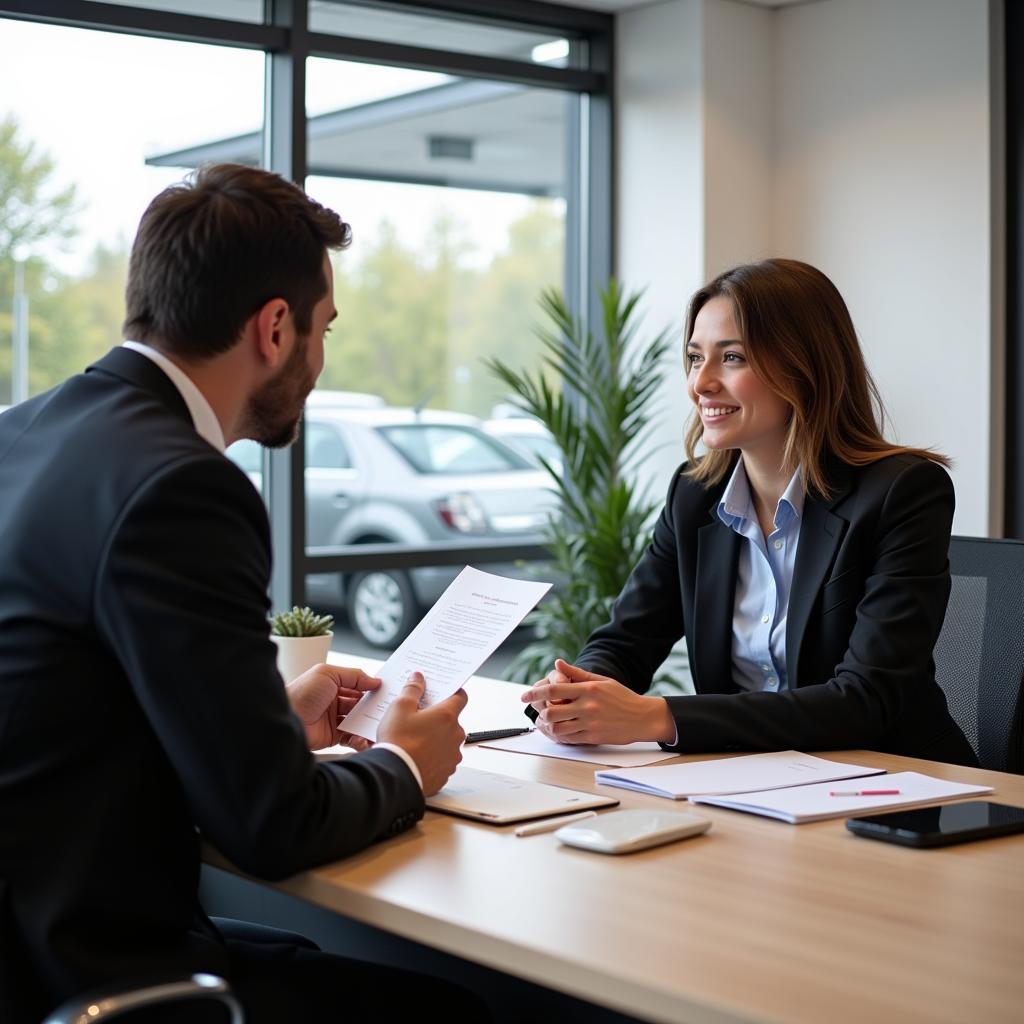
{"points": [[464, 628], [619, 755], [816, 803], [775, 770]]}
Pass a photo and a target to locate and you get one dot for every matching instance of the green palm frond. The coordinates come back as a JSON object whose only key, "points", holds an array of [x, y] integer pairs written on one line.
{"points": [[596, 396]]}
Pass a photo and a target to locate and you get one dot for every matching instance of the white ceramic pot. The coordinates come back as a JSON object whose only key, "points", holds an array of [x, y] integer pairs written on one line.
{"points": [[295, 654]]}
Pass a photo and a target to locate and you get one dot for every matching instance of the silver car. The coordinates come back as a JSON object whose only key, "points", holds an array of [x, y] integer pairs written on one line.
{"points": [[390, 475]]}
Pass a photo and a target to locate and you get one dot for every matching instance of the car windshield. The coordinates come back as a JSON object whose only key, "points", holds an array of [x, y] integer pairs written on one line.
{"points": [[442, 448], [538, 444]]}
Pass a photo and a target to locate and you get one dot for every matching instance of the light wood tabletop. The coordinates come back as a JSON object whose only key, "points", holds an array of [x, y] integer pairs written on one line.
{"points": [[755, 921]]}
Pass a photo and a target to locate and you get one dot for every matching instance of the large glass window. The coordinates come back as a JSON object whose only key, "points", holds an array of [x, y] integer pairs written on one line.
{"points": [[457, 190], [469, 178], [75, 176]]}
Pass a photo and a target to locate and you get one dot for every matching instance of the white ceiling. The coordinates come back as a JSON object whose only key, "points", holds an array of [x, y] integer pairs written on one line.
{"points": [[611, 6]]}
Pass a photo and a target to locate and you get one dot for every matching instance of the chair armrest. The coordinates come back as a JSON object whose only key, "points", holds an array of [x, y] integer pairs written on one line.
{"points": [[86, 1009]]}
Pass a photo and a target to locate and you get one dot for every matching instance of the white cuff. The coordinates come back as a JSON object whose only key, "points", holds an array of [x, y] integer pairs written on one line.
{"points": [[395, 749]]}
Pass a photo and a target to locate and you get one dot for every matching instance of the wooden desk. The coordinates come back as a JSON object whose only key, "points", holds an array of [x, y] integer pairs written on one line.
{"points": [[756, 921]]}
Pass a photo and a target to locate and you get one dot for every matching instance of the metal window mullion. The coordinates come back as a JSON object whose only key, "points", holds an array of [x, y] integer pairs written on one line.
{"points": [[363, 557], [423, 58], [597, 214], [285, 152]]}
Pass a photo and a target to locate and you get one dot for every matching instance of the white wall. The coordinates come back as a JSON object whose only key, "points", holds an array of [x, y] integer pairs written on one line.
{"points": [[883, 181], [854, 134], [739, 133]]}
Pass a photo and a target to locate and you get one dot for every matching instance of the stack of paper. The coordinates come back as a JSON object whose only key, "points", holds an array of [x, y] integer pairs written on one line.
{"points": [[815, 803], [774, 770], [624, 755]]}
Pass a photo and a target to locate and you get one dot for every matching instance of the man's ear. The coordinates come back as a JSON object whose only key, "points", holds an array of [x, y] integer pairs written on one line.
{"points": [[273, 332]]}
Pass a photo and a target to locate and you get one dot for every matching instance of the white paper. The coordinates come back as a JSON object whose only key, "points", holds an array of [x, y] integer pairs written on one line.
{"points": [[625, 755], [813, 803], [774, 770], [468, 623]]}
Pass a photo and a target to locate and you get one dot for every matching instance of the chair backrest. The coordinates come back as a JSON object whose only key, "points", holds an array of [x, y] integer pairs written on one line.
{"points": [[979, 658]]}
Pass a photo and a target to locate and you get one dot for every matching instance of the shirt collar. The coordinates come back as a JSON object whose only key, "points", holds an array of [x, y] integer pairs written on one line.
{"points": [[736, 504], [203, 418]]}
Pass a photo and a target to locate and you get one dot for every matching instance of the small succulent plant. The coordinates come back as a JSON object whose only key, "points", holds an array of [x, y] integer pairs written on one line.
{"points": [[301, 622]]}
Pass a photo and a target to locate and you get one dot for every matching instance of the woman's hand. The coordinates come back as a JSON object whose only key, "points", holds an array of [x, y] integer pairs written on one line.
{"points": [[322, 697], [576, 706]]}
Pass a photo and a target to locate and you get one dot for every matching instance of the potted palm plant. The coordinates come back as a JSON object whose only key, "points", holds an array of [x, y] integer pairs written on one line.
{"points": [[303, 639], [596, 396]]}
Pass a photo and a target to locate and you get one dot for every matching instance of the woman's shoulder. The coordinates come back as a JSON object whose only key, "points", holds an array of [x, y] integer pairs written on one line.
{"points": [[900, 464], [904, 471]]}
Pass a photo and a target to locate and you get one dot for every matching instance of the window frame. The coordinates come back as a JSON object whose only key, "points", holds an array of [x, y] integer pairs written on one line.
{"points": [[287, 42]]}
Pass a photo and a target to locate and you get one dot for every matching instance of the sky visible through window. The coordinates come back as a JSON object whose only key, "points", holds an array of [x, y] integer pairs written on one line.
{"points": [[100, 103]]}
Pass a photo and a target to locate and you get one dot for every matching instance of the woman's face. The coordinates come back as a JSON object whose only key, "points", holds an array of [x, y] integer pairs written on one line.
{"points": [[737, 408]]}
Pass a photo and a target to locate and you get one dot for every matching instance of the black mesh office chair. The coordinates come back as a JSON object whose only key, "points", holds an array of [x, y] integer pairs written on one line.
{"points": [[96, 1008], [979, 659]]}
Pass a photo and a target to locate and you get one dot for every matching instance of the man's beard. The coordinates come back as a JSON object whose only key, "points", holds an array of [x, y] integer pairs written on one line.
{"points": [[273, 412]]}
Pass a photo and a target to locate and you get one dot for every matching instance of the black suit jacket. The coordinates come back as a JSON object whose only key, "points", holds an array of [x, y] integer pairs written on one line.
{"points": [[139, 697], [868, 597]]}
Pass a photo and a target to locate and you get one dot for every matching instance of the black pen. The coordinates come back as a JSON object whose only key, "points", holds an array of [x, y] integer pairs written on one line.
{"points": [[495, 734]]}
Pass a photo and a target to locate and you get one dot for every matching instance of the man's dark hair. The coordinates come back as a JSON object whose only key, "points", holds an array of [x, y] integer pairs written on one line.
{"points": [[214, 249]]}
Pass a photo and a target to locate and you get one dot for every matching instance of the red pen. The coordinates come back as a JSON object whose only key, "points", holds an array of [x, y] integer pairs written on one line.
{"points": [[864, 792]]}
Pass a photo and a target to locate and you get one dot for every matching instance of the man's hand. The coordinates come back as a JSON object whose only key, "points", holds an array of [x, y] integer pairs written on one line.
{"points": [[322, 697], [430, 736], [577, 706]]}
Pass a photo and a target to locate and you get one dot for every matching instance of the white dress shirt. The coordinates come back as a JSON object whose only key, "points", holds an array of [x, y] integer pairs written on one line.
{"points": [[208, 427]]}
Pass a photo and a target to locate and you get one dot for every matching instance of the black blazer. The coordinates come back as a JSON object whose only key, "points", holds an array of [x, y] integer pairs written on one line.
{"points": [[869, 594], [139, 697]]}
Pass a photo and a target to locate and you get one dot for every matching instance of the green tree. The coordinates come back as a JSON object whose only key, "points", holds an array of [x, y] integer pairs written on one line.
{"points": [[32, 208], [35, 214], [503, 319], [395, 318], [415, 326]]}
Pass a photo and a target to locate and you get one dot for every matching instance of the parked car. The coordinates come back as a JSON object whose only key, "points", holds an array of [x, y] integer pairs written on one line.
{"points": [[391, 475], [322, 398], [530, 436]]}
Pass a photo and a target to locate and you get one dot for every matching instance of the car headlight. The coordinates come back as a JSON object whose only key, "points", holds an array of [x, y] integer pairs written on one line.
{"points": [[463, 512]]}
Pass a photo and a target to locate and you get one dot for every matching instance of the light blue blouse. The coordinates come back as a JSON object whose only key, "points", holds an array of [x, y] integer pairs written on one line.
{"points": [[764, 580]]}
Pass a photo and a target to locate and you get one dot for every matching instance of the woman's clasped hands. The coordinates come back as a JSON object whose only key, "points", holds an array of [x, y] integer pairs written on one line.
{"points": [[577, 706]]}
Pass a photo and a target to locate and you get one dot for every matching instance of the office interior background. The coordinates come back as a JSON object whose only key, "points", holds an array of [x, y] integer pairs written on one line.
{"points": [[486, 149]]}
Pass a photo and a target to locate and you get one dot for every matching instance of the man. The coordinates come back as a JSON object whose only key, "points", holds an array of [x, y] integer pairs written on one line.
{"points": [[139, 699]]}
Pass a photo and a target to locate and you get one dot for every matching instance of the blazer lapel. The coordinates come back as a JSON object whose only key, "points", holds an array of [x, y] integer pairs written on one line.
{"points": [[820, 535], [718, 551]]}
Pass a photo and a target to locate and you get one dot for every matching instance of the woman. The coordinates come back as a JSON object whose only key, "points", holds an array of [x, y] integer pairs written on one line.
{"points": [[803, 556]]}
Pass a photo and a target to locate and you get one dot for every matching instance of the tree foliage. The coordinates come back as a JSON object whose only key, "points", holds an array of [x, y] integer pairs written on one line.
{"points": [[32, 208], [413, 326]]}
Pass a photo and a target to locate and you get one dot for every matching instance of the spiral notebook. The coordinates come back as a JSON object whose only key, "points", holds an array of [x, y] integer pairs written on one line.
{"points": [[831, 800]]}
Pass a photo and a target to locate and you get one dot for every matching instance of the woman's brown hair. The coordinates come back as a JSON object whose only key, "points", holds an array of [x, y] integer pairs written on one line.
{"points": [[799, 339]]}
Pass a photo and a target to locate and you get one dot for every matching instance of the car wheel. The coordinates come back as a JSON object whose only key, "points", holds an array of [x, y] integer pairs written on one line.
{"points": [[382, 607]]}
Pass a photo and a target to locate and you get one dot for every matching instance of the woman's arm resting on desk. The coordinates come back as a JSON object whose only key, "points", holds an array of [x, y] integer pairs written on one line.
{"points": [[576, 706]]}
